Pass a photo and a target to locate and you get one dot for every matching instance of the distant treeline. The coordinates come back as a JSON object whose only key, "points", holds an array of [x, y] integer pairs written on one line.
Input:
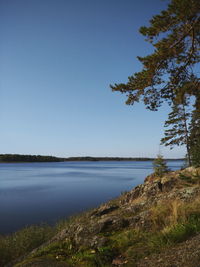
{"points": [[28, 158], [38, 158]]}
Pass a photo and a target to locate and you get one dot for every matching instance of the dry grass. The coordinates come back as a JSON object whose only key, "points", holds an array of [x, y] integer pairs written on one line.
{"points": [[171, 212]]}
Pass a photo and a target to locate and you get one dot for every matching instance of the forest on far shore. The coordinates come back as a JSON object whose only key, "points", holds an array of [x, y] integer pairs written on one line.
{"points": [[9, 158]]}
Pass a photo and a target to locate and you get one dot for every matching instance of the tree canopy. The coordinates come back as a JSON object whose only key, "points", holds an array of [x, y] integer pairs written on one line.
{"points": [[170, 71]]}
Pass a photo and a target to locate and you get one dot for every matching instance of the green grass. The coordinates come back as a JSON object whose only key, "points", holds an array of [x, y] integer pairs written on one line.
{"points": [[65, 252], [23, 241]]}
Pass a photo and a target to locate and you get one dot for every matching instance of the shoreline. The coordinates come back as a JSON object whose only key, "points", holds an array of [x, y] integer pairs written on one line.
{"points": [[17, 158]]}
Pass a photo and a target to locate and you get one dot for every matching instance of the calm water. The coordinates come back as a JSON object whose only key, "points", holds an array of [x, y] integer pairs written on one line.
{"points": [[32, 193]]}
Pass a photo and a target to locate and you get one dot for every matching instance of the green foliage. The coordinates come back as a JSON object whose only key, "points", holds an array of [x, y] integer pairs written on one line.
{"points": [[124, 239], [168, 74], [130, 242], [175, 234], [160, 166], [23, 241], [178, 133], [100, 257], [175, 135], [64, 251], [180, 232]]}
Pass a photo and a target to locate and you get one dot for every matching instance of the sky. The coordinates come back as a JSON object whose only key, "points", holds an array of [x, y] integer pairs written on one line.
{"points": [[57, 60]]}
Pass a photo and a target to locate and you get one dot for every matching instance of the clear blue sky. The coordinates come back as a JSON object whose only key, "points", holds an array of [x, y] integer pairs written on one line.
{"points": [[57, 60]]}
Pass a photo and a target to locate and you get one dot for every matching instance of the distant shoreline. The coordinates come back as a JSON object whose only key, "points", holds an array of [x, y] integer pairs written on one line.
{"points": [[17, 158]]}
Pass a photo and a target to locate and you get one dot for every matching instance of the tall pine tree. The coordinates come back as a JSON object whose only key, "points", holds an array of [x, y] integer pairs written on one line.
{"points": [[170, 74]]}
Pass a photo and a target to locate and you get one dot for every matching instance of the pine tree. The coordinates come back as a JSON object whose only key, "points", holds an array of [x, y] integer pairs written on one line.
{"points": [[178, 133], [160, 166], [168, 73]]}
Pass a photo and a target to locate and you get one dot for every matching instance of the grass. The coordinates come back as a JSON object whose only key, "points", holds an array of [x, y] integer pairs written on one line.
{"points": [[172, 222], [23, 241], [65, 252], [169, 213], [136, 244]]}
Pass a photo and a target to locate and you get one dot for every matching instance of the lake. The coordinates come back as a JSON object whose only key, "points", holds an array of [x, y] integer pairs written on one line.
{"points": [[32, 193]]}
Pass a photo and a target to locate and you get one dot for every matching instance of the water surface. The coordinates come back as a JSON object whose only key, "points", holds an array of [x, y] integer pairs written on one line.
{"points": [[32, 193]]}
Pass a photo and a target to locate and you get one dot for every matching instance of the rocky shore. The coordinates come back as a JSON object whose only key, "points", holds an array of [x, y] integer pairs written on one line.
{"points": [[155, 224]]}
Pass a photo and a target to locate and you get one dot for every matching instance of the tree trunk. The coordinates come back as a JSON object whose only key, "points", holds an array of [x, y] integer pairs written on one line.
{"points": [[187, 136]]}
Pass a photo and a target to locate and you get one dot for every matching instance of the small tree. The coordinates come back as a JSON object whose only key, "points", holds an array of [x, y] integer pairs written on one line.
{"points": [[160, 165]]}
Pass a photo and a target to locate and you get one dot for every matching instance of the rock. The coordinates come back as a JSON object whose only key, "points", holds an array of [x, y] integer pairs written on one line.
{"points": [[132, 195], [98, 242], [142, 220], [135, 208], [112, 223], [104, 210]]}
